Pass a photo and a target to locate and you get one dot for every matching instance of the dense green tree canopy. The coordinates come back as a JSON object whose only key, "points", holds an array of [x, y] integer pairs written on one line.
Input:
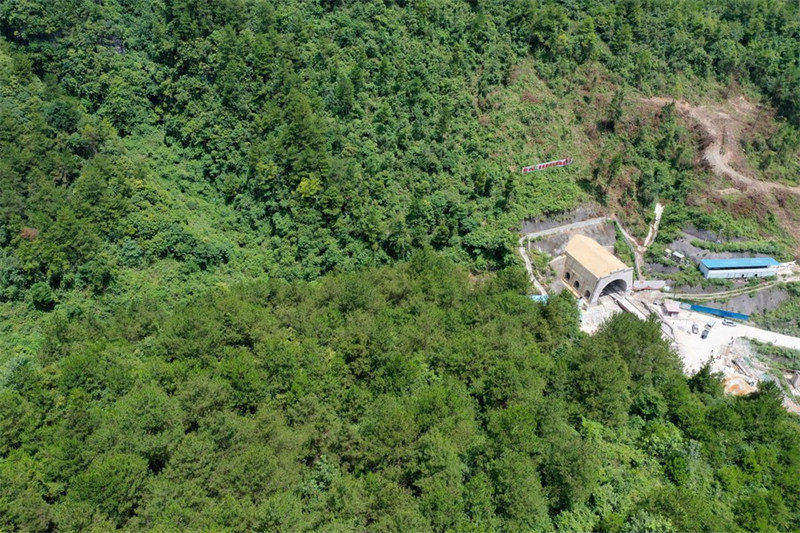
{"points": [[256, 270], [404, 397], [297, 137]]}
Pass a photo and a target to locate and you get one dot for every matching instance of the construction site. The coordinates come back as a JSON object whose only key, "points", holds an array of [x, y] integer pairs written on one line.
{"points": [[579, 252]]}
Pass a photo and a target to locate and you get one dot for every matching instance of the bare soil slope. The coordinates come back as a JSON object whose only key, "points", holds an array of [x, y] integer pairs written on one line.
{"points": [[723, 131], [722, 127]]}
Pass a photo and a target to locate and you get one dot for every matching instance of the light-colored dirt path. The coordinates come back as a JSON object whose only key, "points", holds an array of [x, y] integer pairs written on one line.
{"points": [[726, 294], [639, 249], [529, 267], [638, 256], [653, 231]]}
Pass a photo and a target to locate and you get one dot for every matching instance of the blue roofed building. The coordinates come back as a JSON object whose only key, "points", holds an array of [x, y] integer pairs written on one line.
{"points": [[743, 267]]}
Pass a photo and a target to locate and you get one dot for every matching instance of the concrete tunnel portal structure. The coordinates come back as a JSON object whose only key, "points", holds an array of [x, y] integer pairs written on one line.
{"points": [[591, 271]]}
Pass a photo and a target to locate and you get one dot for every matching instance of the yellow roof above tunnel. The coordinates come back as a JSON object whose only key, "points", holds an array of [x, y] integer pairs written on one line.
{"points": [[596, 259]]}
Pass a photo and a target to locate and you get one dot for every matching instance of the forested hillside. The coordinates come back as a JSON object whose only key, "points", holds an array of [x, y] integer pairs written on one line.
{"points": [[257, 269], [297, 137], [400, 398]]}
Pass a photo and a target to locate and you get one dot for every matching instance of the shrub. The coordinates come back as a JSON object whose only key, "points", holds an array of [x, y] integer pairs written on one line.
{"points": [[41, 296]]}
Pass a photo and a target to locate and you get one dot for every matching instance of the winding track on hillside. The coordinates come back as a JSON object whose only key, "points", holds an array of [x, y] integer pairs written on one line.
{"points": [[723, 131], [529, 267], [704, 296]]}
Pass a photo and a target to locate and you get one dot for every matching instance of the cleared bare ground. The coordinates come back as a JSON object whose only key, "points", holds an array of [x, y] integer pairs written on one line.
{"points": [[722, 127]]}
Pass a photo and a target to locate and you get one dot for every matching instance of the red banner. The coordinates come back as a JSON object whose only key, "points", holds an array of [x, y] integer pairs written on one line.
{"points": [[540, 166]]}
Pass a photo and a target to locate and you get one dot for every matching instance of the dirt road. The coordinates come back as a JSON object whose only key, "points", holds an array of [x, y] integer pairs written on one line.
{"points": [[638, 256], [653, 231], [529, 267], [725, 294], [723, 132]]}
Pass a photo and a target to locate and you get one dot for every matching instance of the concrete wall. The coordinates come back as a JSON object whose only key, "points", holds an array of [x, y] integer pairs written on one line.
{"points": [[554, 245], [588, 285], [579, 278]]}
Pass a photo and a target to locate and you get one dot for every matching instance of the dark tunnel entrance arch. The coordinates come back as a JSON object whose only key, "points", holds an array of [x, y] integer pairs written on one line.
{"points": [[617, 285]]}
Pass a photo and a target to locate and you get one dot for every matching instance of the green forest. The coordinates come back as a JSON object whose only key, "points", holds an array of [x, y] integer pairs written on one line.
{"points": [[257, 266], [399, 398]]}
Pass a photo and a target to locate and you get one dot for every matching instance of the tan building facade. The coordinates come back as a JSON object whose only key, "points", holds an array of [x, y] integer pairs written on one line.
{"points": [[591, 271]]}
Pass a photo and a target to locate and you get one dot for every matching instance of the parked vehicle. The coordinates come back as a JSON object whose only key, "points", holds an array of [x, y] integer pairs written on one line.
{"points": [[705, 334], [695, 329], [728, 322]]}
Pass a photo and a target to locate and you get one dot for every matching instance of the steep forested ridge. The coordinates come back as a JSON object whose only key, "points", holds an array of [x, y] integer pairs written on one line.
{"points": [[298, 137], [214, 311]]}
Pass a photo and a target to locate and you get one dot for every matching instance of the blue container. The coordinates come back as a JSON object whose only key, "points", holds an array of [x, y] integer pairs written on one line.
{"points": [[718, 312]]}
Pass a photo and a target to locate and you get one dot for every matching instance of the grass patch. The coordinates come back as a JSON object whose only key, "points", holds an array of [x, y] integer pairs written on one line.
{"points": [[781, 358], [622, 249]]}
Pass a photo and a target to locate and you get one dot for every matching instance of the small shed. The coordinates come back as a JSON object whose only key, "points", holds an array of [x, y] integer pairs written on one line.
{"points": [[671, 307]]}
